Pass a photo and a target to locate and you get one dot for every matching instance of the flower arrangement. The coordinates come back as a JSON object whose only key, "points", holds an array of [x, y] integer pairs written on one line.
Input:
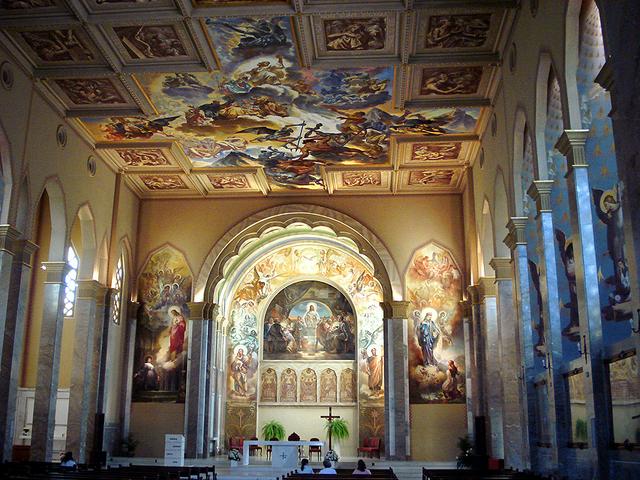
{"points": [[234, 455], [332, 456]]}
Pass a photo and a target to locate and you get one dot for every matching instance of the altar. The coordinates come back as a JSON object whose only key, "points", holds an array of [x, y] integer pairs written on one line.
{"points": [[283, 454]]}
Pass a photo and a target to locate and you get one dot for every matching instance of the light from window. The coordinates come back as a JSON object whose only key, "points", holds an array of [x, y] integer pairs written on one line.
{"points": [[116, 307], [70, 283]]}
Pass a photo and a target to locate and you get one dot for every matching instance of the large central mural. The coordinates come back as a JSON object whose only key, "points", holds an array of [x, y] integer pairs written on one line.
{"points": [[309, 302], [261, 109]]}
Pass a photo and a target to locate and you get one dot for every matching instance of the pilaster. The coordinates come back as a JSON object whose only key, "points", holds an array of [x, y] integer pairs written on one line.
{"points": [[492, 353], [510, 355], [469, 353], [477, 360], [572, 145], [396, 389], [551, 345], [78, 440], [516, 241], [200, 322], [44, 409], [13, 310]]}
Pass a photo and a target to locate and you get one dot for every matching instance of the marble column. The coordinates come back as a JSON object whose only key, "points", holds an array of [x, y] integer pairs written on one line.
{"points": [[195, 428], [44, 408], [396, 388], [126, 388], [571, 145], [493, 366], [83, 365], [509, 338], [516, 241], [540, 192], [469, 371], [476, 361], [12, 310]]}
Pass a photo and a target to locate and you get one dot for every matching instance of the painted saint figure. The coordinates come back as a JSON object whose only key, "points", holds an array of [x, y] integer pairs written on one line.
{"points": [[373, 370], [428, 332], [147, 377], [178, 330], [239, 370]]}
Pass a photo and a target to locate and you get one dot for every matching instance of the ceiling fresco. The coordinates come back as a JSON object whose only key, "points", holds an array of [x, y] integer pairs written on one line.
{"points": [[226, 97]]}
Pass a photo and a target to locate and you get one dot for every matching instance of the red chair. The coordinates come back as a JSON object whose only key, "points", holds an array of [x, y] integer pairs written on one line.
{"points": [[315, 449], [371, 446], [294, 437], [237, 443], [253, 448]]}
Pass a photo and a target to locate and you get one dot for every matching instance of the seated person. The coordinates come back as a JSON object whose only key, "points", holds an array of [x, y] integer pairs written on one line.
{"points": [[327, 470], [304, 467], [67, 461], [361, 469]]}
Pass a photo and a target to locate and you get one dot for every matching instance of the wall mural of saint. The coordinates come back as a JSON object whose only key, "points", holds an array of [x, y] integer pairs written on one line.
{"points": [[308, 386], [309, 320], [161, 333], [268, 386], [328, 386], [436, 343], [288, 386]]}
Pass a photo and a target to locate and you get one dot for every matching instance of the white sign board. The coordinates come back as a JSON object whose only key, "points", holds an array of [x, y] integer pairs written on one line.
{"points": [[174, 450]]}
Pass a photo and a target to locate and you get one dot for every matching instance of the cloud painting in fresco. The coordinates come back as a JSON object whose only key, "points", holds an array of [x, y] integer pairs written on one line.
{"points": [[262, 110]]}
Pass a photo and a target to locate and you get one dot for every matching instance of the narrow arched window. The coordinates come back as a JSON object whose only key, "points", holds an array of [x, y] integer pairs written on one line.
{"points": [[71, 283], [116, 307]]}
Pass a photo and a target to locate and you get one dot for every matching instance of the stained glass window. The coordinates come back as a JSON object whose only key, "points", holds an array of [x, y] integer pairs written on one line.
{"points": [[71, 283], [116, 309]]}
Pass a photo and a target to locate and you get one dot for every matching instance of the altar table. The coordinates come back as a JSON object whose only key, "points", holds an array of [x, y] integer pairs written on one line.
{"points": [[283, 453]]}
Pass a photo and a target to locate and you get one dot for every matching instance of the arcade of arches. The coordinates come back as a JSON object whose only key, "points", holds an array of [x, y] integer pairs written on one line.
{"points": [[451, 250]]}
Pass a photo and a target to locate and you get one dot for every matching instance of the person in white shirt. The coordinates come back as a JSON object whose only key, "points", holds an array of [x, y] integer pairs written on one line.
{"points": [[67, 461], [304, 467], [327, 470]]}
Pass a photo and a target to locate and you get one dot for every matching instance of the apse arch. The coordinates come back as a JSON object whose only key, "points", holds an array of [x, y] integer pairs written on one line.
{"points": [[87, 265], [254, 226], [501, 215], [486, 237], [59, 240], [519, 132]]}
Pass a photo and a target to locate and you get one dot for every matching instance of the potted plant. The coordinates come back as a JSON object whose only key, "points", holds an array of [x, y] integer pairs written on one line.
{"points": [[128, 446], [465, 459], [273, 429], [332, 456], [337, 430], [234, 457]]}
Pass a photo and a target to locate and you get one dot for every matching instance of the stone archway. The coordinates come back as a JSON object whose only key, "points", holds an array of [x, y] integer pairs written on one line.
{"points": [[255, 259]]}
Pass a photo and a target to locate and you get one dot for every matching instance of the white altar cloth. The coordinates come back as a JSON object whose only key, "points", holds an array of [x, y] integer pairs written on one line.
{"points": [[283, 453]]}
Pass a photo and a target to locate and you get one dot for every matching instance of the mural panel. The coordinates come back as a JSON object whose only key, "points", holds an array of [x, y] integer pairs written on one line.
{"points": [[355, 34], [436, 343], [268, 385], [458, 31], [328, 386], [308, 386], [164, 288], [288, 386], [309, 321], [450, 81], [347, 386]]}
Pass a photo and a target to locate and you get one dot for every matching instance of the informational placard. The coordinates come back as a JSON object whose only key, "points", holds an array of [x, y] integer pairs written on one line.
{"points": [[174, 450]]}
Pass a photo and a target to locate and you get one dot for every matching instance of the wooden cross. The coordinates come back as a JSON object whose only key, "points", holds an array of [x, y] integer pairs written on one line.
{"points": [[330, 417]]}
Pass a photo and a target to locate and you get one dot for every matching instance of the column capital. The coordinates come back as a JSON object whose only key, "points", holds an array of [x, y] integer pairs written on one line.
{"points": [[397, 309], [605, 77], [474, 294], [132, 309], [202, 310], [486, 287], [465, 307], [26, 249], [56, 271], [8, 238], [540, 192], [502, 267], [88, 289], [103, 295], [516, 236], [571, 145]]}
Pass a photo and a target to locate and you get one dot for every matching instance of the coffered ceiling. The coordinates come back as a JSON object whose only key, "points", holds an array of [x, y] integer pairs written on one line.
{"points": [[266, 97]]}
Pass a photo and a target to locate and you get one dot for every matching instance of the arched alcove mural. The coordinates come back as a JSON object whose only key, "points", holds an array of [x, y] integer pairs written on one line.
{"points": [[436, 338], [160, 356], [296, 298]]}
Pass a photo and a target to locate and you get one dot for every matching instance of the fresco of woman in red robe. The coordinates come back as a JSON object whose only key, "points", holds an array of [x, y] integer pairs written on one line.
{"points": [[176, 336]]}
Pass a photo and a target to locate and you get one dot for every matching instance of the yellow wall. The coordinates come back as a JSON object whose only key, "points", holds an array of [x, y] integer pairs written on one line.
{"points": [[151, 421], [435, 430]]}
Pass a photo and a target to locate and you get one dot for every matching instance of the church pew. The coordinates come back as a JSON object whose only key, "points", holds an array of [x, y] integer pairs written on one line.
{"points": [[53, 471], [462, 474]]}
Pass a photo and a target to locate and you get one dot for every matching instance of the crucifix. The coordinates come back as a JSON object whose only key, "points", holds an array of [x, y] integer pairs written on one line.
{"points": [[330, 418]]}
